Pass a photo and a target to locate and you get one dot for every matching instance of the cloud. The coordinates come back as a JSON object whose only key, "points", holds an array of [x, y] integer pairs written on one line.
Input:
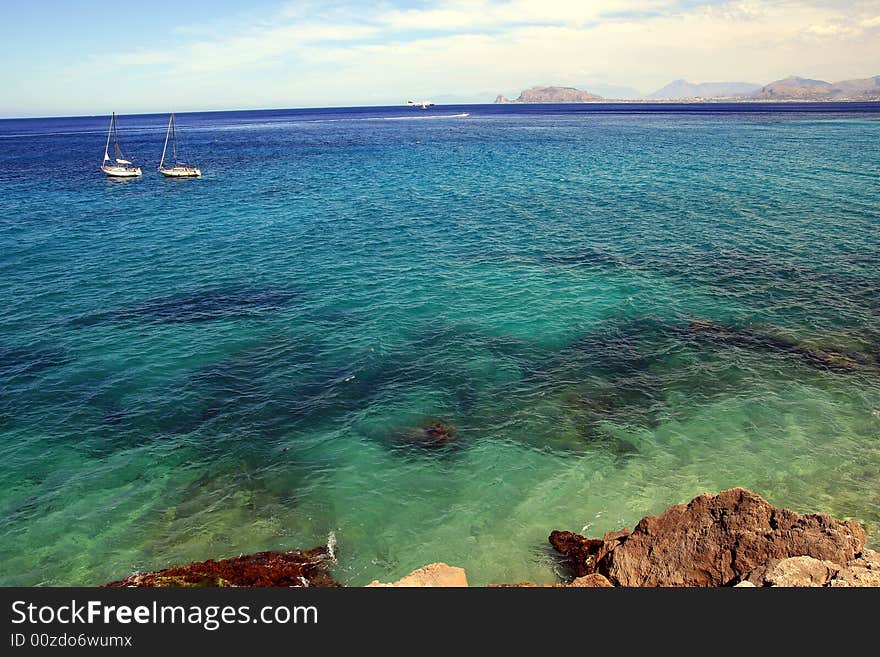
{"points": [[256, 46], [479, 14], [344, 53]]}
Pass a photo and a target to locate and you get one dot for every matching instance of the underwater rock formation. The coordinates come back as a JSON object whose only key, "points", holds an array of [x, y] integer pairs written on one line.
{"points": [[750, 339], [26, 361], [198, 306], [294, 568], [430, 436], [715, 540]]}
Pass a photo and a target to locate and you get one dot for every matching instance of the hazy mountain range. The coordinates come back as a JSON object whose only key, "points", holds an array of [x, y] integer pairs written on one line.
{"points": [[685, 89], [791, 88]]}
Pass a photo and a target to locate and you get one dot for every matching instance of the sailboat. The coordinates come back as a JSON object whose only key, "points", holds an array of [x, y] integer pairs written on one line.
{"points": [[119, 167], [178, 169]]}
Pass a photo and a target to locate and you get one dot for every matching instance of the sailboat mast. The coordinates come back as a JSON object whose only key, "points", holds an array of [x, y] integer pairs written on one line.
{"points": [[174, 137], [116, 138], [107, 145], [165, 147]]}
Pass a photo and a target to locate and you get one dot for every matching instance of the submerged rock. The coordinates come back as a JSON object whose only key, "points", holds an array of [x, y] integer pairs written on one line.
{"points": [[750, 339], [197, 306], [715, 540], [430, 436], [293, 568], [22, 361], [432, 575]]}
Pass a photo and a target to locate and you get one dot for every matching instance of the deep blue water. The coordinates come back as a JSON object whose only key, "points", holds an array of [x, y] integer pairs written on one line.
{"points": [[616, 307]]}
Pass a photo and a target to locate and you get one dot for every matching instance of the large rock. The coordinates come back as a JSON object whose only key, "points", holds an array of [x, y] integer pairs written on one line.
{"points": [[794, 571], [582, 555], [293, 568], [715, 540], [432, 575], [594, 581], [864, 570]]}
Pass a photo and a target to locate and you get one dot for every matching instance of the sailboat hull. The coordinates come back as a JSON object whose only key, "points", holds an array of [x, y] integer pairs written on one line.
{"points": [[181, 172], [119, 167], [122, 172], [179, 169]]}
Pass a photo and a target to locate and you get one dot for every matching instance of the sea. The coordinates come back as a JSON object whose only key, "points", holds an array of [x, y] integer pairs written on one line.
{"points": [[430, 335]]}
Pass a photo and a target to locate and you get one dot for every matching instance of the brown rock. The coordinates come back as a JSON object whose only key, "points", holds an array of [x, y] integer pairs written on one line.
{"points": [[716, 540], [432, 575], [526, 585], [864, 570], [293, 568], [583, 554], [794, 571], [595, 581]]}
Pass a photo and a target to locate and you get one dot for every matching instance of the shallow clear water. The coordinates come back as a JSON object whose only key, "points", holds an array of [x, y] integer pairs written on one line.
{"points": [[203, 368]]}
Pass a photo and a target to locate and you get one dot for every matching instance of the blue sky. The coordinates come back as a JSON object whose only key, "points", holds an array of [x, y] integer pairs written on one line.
{"points": [[92, 56]]}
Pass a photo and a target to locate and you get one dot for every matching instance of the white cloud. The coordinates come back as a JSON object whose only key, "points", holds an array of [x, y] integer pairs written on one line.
{"points": [[479, 14], [331, 53]]}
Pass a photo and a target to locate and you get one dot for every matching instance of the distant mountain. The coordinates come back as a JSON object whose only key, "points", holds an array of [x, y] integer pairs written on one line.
{"points": [[789, 89], [866, 88], [615, 91], [795, 88], [552, 95], [682, 89]]}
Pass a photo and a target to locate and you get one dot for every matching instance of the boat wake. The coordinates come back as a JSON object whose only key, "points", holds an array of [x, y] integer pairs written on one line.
{"points": [[418, 118], [392, 118]]}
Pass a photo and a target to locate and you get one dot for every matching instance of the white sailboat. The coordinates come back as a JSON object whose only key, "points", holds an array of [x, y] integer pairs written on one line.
{"points": [[119, 167], [178, 169]]}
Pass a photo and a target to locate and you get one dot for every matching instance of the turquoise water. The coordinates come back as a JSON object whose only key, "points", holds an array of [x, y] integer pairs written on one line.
{"points": [[204, 368]]}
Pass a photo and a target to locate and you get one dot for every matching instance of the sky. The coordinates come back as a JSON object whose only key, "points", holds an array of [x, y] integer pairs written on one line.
{"points": [[84, 57]]}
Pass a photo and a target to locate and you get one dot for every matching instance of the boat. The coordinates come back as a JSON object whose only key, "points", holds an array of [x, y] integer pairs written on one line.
{"points": [[178, 169], [118, 167], [424, 104]]}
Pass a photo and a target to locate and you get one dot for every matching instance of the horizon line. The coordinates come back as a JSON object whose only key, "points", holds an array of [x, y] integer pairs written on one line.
{"points": [[605, 101]]}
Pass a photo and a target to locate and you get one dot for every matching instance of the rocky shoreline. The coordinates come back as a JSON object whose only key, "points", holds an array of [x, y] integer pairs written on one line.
{"points": [[733, 538]]}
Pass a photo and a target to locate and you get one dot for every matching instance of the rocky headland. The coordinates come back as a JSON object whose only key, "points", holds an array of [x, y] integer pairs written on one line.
{"points": [[733, 538], [552, 95]]}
